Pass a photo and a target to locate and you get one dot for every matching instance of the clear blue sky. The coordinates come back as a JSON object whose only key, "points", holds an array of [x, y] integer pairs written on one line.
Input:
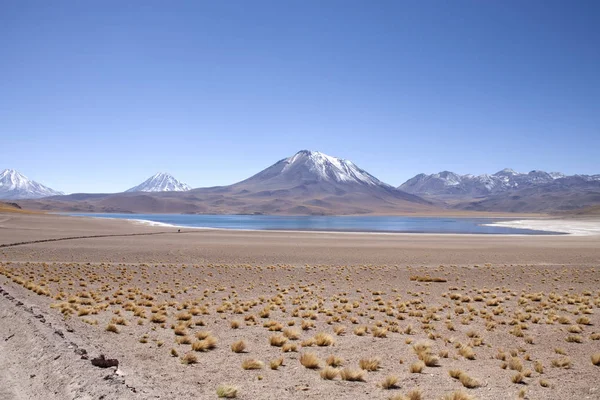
{"points": [[96, 96]]}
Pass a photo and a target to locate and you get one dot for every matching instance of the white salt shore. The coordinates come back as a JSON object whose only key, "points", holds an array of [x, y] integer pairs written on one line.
{"points": [[573, 227]]}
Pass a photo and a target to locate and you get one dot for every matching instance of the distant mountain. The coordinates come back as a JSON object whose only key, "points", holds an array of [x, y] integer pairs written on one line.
{"points": [[307, 183], [509, 191], [313, 167], [451, 185], [14, 185], [161, 182]]}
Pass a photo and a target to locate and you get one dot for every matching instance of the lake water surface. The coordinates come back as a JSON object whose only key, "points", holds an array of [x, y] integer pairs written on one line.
{"points": [[326, 223]]}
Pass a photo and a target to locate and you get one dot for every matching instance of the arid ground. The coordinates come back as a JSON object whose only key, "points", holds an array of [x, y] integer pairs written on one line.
{"points": [[280, 315]]}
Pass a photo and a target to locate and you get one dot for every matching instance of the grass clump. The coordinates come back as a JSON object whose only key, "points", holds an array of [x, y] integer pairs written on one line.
{"points": [[323, 339], [416, 367], [275, 364], [251, 363], [328, 373], [369, 364], [309, 360], [390, 382], [277, 340], [226, 392], [458, 395], [334, 361], [189, 358], [563, 362], [352, 375], [239, 346]]}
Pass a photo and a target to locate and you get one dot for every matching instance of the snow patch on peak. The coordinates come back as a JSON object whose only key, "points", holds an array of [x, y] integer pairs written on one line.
{"points": [[160, 182], [507, 171], [14, 185], [328, 168]]}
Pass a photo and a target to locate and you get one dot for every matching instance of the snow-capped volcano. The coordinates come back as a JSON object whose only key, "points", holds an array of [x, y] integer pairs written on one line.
{"points": [[14, 185], [161, 182], [315, 167]]}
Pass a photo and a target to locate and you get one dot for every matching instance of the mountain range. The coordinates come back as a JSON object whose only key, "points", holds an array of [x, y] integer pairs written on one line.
{"points": [[313, 183], [448, 184], [308, 183]]}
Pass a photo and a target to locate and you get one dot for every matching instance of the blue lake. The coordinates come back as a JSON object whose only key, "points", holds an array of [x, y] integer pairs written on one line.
{"points": [[327, 223]]}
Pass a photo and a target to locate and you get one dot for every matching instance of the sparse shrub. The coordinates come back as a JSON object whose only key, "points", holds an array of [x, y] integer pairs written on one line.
{"points": [[239, 346], [289, 347], [417, 367], [369, 364], [323, 339], [518, 378], [352, 375], [468, 382], [564, 362], [291, 334], [275, 364], [309, 360], [544, 383], [458, 395], [328, 373], [467, 352], [189, 358], [251, 363], [277, 340], [334, 361], [390, 382], [227, 392]]}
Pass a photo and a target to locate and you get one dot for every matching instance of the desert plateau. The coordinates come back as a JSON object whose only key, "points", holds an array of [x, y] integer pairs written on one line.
{"points": [[295, 315]]}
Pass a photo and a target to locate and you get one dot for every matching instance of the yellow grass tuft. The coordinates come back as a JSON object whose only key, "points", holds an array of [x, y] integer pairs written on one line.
{"points": [[291, 334], [289, 347], [518, 378], [309, 360], [251, 363], [112, 328], [334, 361], [390, 382], [596, 359], [545, 383], [323, 339], [227, 392], [277, 340], [515, 364], [467, 352], [458, 395], [352, 375], [328, 373], [564, 362], [189, 358], [468, 382], [369, 364], [275, 364], [417, 367], [238, 347], [206, 344]]}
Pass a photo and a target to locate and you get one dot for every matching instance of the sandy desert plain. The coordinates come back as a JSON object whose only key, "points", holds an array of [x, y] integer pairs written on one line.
{"points": [[293, 315]]}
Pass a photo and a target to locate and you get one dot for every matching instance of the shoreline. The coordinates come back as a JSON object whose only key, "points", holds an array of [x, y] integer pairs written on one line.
{"points": [[565, 226], [539, 231]]}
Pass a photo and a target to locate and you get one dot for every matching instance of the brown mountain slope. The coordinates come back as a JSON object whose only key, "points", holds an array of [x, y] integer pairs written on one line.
{"points": [[308, 183]]}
